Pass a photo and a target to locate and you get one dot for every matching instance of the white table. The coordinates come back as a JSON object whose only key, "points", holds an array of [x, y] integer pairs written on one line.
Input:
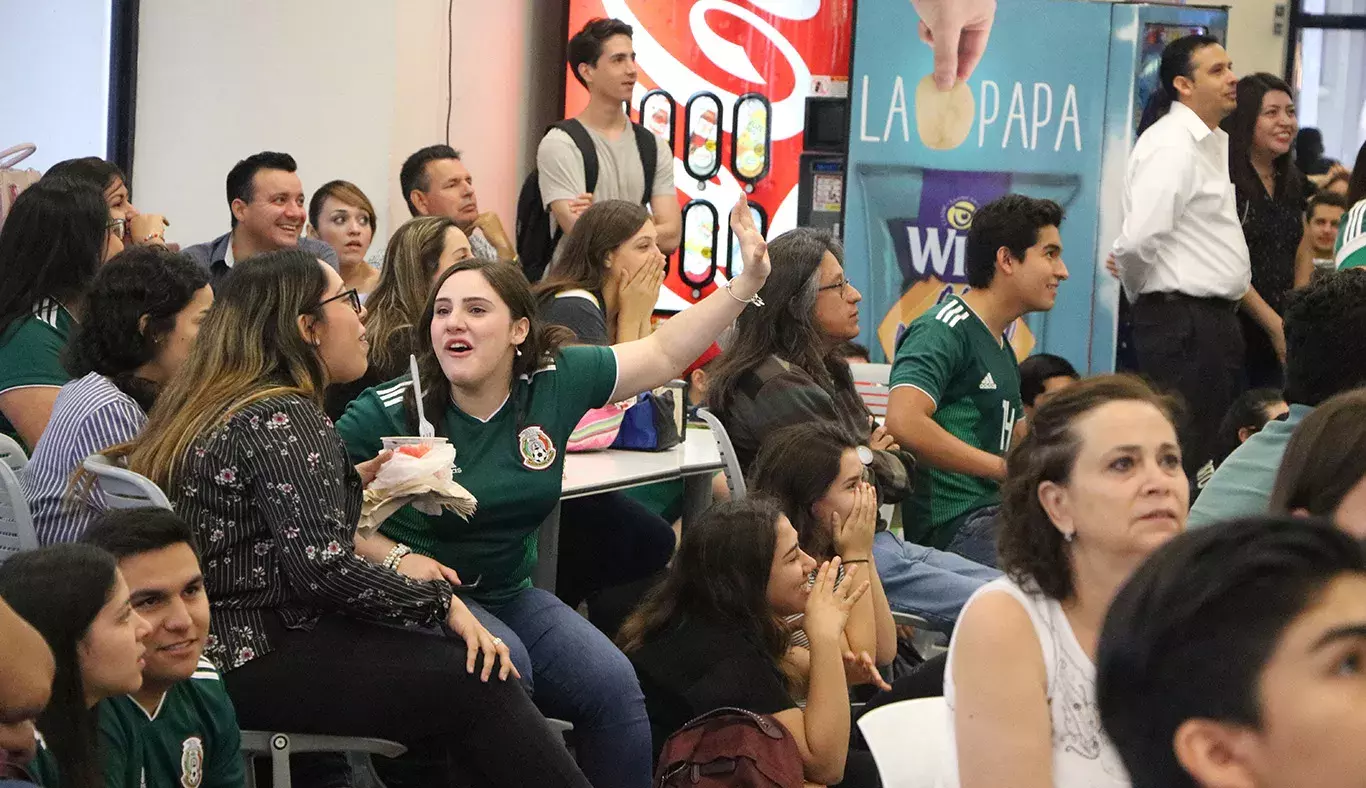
{"points": [[591, 473]]}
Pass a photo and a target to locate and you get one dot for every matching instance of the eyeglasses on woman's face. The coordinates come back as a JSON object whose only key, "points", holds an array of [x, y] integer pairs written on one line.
{"points": [[352, 295]]}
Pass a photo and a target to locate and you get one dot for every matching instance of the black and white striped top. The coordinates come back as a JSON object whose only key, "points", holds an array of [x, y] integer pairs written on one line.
{"points": [[90, 415], [274, 502]]}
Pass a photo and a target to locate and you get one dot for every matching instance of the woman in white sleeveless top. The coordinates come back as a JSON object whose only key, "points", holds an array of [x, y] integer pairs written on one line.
{"points": [[1094, 488]]}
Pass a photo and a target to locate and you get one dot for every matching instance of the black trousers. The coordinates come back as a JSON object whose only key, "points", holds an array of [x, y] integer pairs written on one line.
{"points": [[612, 550], [347, 678], [1262, 367], [1194, 348]]}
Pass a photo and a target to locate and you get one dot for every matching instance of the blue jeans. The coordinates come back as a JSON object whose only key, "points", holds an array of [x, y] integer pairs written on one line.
{"points": [[576, 674], [975, 538], [930, 583]]}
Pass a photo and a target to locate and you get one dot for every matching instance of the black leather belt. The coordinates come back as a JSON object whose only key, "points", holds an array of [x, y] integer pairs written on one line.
{"points": [[1222, 304]]}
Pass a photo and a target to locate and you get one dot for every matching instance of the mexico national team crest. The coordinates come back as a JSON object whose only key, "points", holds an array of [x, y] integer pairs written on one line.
{"points": [[191, 762], [538, 451]]}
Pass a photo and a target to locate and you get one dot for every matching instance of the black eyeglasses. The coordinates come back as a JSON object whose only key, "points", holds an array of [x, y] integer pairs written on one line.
{"points": [[352, 295], [840, 286]]}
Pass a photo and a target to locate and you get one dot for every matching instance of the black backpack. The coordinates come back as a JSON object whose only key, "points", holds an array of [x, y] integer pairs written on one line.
{"points": [[535, 244]]}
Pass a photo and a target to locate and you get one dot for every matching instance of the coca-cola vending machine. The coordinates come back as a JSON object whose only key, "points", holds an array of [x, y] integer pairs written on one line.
{"points": [[726, 84]]}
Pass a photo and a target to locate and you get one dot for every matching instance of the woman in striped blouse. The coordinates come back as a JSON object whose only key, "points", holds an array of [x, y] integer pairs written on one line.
{"points": [[141, 317], [312, 638]]}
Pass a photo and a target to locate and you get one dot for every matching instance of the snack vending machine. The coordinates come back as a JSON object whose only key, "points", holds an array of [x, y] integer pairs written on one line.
{"points": [[725, 84], [1049, 112]]}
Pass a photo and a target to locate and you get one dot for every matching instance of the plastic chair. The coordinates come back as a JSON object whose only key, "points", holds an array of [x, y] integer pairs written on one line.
{"points": [[11, 453], [912, 743], [122, 488], [279, 746], [871, 381], [735, 479], [16, 523], [927, 642]]}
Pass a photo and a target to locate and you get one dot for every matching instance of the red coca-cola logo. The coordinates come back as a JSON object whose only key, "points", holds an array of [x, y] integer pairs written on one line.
{"points": [[773, 47]]}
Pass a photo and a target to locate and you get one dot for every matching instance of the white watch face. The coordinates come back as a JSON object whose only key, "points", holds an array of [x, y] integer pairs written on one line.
{"points": [[865, 455]]}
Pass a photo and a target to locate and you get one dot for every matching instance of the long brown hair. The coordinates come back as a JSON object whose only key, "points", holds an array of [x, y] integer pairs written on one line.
{"points": [[720, 575], [1325, 458], [787, 327], [1031, 548], [601, 229], [249, 349], [59, 590], [542, 341], [796, 465], [394, 308]]}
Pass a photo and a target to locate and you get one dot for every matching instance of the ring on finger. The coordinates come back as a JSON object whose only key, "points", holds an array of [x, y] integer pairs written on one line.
{"points": [[497, 641]]}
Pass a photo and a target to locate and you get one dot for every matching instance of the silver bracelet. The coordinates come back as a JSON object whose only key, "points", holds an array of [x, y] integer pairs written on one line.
{"points": [[754, 299], [396, 555]]}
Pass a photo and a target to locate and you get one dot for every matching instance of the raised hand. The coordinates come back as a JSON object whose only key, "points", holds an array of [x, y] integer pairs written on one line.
{"points": [[854, 534], [828, 606], [753, 247]]}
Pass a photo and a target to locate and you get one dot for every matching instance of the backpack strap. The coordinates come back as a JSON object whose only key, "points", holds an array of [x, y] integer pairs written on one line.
{"points": [[649, 158], [579, 134]]}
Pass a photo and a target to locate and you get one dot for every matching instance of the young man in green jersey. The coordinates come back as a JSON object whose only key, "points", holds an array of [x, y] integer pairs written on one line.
{"points": [[955, 383], [180, 729]]}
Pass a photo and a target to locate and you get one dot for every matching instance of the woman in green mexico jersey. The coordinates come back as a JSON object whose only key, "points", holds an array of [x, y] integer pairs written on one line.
{"points": [[507, 391]]}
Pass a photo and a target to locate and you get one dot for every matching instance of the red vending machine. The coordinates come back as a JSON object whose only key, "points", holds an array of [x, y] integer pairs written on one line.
{"points": [[726, 83]]}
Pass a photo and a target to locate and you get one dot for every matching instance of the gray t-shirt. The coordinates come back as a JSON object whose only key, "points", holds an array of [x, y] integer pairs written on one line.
{"points": [[620, 175]]}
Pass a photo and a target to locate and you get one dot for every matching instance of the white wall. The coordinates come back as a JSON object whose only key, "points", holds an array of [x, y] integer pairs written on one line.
{"points": [[1253, 43], [348, 87], [54, 78]]}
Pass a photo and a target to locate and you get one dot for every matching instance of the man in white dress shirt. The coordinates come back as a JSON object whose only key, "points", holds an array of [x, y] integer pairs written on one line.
{"points": [[1181, 253]]}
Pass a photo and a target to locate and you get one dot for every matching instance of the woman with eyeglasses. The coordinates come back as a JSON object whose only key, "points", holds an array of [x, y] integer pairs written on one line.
{"points": [[785, 368], [365, 643], [138, 229], [55, 238]]}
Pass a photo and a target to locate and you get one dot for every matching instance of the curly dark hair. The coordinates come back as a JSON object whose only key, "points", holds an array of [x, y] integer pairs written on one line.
{"points": [[144, 281], [1325, 337], [1031, 548]]}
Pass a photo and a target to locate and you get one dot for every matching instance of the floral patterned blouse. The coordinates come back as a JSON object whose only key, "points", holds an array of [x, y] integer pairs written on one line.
{"points": [[274, 502]]}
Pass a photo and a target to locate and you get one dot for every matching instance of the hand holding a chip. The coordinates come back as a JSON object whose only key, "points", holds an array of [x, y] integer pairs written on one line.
{"points": [[958, 32]]}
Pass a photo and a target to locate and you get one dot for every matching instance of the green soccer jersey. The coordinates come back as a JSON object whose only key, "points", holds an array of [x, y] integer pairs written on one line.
{"points": [[191, 740], [43, 767], [1350, 250], [31, 350], [513, 464], [974, 380]]}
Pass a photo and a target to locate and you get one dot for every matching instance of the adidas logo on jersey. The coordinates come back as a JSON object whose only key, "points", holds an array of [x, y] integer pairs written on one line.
{"points": [[988, 383], [952, 313]]}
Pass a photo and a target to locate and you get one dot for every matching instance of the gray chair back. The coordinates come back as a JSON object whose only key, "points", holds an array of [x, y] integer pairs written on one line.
{"points": [[11, 453], [16, 523], [122, 488], [735, 478]]}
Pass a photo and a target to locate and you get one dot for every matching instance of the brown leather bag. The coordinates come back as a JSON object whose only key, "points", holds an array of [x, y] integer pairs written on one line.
{"points": [[730, 748]]}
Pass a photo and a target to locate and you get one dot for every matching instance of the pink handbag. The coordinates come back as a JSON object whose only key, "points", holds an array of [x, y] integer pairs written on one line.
{"points": [[12, 180], [599, 427]]}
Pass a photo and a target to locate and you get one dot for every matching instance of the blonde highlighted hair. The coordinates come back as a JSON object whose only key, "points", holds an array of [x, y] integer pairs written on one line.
{"points": [[394, 308]]}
